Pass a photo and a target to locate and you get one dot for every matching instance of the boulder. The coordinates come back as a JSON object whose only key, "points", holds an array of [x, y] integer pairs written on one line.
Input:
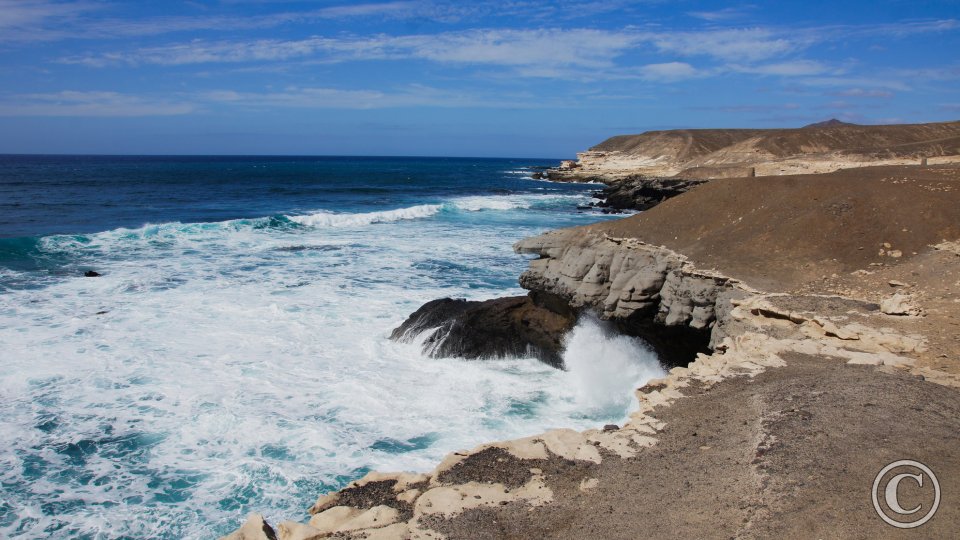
{"points": [[255, 528], [898, 304], [532, 325], [642, 193]]}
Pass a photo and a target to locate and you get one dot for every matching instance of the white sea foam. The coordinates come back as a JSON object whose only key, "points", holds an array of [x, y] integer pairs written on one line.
{"points": [[220, 368], [330, 219], [605, 367], [492, 202], [465, 204]]}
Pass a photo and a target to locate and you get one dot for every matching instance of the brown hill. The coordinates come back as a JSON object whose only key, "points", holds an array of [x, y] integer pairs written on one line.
{"points": [[688, 144], [821, 147]]}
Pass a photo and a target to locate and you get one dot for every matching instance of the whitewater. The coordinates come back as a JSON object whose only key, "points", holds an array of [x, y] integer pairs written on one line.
{"points": [[220, 367]]}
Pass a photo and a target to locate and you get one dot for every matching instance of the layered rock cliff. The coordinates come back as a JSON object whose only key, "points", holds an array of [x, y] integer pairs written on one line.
{"points": [[730, 153], [649, 291]]}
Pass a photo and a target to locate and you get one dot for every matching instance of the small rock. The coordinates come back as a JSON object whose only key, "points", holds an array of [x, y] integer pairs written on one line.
{"points": [[898, 304], [895, 253], [895, 283], [887, 245], [588, 484], [91, 273], [255, 528], [611, 427]]}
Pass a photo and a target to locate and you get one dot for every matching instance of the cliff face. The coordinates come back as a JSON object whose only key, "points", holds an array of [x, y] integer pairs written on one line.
{"points": [[618, 277], [727, 153]]}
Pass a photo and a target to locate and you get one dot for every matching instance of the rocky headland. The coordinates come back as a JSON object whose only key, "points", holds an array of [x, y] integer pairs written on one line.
{"points": [[812, 327], [732, 153], [641, 171]]}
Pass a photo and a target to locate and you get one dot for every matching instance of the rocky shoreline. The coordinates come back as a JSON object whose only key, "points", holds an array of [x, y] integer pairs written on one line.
{"points": [[761, 366]]}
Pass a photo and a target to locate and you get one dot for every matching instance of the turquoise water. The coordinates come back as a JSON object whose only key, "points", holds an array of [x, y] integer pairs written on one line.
{"points": [[233, 354]]}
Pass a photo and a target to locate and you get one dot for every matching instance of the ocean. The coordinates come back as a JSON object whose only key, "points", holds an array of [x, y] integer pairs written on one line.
{"points": [[232, 355]]}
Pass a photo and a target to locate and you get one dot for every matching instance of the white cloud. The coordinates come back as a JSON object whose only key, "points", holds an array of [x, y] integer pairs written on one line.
{"points": [[541, 48], [45, 20], [28, 13], [719, 14], [73, 103], [335, 98], [746, 45], [668, 72], [793, 68], [861, 92], [585, 48], [889, 84], [25, 20]]}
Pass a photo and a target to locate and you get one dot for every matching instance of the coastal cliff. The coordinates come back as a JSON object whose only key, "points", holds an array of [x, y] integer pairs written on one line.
{"points": [[814, 310], [731, 153]]}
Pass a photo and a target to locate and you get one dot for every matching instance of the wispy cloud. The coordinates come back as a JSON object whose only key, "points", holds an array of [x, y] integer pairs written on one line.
{"points": [[669, 72], [46, 20], [70, 103], [891, 83], [546, 48], [752, 44], [30, 20], [29, 13], [724, 14], [862, 93], [415, 95], [793, 68], [541, 52], [73, 103], [586, 48]]}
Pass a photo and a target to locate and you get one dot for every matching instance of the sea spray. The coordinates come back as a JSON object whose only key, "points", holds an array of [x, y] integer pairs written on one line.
{"points": [[605, 367]]}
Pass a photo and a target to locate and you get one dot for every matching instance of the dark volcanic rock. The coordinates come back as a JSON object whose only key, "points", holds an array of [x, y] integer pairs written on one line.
{"points": [[531, 325], [91, 273], [643, 193]]}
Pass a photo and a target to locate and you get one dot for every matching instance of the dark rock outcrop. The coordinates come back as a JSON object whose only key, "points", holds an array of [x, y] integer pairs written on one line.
{"points": [[532, 325], [643, 193], [91, 273]]}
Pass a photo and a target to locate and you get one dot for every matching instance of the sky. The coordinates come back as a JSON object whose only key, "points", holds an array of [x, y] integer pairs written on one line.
{"points": [[512, 78]]}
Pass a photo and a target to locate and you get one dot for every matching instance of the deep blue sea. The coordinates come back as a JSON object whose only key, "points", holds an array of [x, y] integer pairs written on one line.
{"points": [[232, 356]]}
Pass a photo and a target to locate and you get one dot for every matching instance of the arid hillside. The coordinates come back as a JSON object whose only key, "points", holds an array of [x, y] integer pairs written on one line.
{"points": [[778, 233], [719, 153]]}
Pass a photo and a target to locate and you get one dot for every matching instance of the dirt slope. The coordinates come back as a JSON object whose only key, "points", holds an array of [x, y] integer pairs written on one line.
{"points": [[778, 233]]}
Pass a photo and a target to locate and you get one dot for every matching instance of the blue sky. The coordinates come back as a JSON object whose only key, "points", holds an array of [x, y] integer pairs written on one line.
{"points": [[421, 77]]}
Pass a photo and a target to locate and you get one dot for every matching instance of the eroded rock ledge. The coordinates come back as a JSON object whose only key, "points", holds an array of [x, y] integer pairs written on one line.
{"points": [[646, 291]]}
